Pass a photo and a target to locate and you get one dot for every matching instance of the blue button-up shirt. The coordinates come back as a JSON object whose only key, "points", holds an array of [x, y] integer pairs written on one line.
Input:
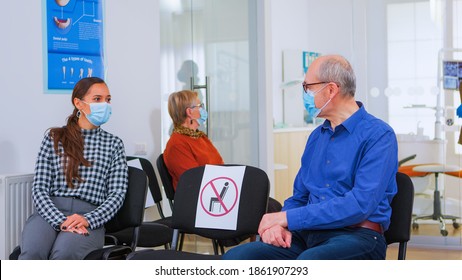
{"points": [[346, 176]]}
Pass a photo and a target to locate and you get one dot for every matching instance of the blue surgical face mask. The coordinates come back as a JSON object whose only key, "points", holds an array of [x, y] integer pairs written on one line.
{"points": [[99, 113], [203, 117], [308, 101]]}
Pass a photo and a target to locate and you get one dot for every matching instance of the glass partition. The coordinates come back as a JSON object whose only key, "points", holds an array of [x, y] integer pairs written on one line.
{"points": [[421, 35], [206, 46]]}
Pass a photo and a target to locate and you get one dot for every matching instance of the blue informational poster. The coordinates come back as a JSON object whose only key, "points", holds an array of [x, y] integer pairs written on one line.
{"points": [[452, 74], [75, 47], [308, 58]]}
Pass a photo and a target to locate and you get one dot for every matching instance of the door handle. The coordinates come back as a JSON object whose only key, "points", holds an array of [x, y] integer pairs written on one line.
{"points": [[207, 99]]}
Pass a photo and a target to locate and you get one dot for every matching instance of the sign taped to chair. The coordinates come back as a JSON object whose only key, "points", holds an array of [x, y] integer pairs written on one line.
{"points": [[218, 203]]}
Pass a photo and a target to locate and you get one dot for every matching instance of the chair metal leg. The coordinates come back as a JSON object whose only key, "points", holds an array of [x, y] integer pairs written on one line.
{"points": [[402, 250], [175, 239], [215, 246], [437, 215], [180, 246]]}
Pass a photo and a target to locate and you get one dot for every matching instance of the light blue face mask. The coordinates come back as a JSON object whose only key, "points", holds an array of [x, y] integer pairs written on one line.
{"points": [[203, 117], [99, 113], [308, 101]]}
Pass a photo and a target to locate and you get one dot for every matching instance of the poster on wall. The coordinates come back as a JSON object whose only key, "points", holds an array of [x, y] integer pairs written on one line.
{"points": [[74, 36], [452, 74]]}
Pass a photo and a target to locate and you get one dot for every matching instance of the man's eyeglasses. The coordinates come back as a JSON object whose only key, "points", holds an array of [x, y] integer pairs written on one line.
{"points": [[199, 105], [306, 86]]}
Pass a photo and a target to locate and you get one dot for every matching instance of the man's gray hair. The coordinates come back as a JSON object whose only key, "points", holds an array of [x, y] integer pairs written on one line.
{"points": [[338, 70]]}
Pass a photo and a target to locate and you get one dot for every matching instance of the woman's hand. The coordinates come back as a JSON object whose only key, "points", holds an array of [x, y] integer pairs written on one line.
{"points": [[75, 223]]}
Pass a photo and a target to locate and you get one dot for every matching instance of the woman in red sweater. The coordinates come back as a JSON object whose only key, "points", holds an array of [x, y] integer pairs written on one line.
{"points": [[188, 147]]}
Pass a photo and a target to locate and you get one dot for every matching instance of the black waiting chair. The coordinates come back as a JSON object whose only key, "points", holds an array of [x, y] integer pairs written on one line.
{"points": [[151, 233], [129, 216], [167, 183], [166, 179], [252, 206], [399, 230], [273, 206], [154, 186]]}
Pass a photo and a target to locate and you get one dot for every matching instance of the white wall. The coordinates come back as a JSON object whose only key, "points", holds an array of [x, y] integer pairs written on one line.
{"points": [[289, 21], [352, 28], [132, 55], [132, 52]]}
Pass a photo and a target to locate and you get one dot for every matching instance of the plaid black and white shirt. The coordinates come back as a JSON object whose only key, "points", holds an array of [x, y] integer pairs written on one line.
{"points": [[105, 181]]}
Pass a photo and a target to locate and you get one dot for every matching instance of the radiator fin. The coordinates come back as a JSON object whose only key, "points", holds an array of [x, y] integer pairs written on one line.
{"points": [[16, 198]]}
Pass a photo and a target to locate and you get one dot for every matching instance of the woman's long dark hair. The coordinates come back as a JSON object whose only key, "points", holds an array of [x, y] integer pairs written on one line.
{"points": [[70, 135]]}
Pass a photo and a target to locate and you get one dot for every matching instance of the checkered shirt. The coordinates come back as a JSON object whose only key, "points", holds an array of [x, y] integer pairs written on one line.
{"points": [[105, 181]]}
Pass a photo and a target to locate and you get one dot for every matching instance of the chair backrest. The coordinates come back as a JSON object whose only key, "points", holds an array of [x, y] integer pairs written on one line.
{"points": [[252, 205], [154, 186], [399, 230], [131, 214], [166, 179]]}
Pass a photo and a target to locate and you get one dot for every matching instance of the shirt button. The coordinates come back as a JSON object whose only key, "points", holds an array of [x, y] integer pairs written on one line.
{"points": [[327, 185], [322, 197], [328, 161]]}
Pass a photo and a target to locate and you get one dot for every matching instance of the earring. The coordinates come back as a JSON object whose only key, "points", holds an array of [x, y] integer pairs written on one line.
{"points": [[191, 121], [78, 114]]}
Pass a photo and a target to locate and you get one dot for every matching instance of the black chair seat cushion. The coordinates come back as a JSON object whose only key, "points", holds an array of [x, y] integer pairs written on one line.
{"points": [[114, 252], [167, 221], [152, 234]]}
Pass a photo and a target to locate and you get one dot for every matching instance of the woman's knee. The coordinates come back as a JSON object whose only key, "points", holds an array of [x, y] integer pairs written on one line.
{"points": [[72, 246]]}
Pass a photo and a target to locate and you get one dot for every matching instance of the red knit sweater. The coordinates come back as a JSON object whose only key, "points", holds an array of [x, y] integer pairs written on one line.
{"points": [[185, 152]]}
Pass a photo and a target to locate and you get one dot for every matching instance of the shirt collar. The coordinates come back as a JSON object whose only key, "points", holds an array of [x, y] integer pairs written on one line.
{"points": [[350, 123], [88, 132]]}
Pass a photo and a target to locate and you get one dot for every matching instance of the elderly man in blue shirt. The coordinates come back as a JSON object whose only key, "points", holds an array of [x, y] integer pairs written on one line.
{"points": [[340, 205]]}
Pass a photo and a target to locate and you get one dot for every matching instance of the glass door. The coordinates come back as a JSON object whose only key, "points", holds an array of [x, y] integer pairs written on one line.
{"points": [[205, 47], [423, 43]]}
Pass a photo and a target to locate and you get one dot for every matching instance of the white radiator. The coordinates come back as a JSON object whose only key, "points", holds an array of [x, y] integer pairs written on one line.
{"points": [[15, 207]]}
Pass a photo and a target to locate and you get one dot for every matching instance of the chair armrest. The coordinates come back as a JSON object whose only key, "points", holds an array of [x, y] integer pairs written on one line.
{"points": [[116, 252], [110, 240]]}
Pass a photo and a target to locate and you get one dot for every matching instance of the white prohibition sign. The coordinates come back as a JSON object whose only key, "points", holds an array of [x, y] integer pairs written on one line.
{"points": [[212, 185]]}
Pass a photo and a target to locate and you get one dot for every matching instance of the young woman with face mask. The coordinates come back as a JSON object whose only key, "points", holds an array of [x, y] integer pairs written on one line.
{"points": [[81, 177]]}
